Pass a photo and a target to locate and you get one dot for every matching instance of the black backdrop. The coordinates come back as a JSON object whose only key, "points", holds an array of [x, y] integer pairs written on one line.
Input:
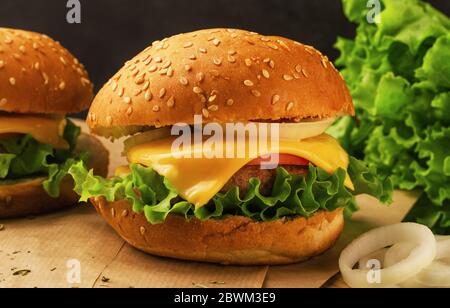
{"points": [[113, 31]]}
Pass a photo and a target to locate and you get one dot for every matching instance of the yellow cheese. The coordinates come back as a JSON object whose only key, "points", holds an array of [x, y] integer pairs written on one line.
{"points": [[199, 180], [45, 130]]}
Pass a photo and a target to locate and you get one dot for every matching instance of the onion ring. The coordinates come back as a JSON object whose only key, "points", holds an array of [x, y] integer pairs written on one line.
{"points": [[421, 257]]}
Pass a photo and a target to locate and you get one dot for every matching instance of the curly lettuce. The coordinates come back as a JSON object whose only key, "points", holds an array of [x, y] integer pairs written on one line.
{"points": [[398, 72], [24, 157], [292, 195]]}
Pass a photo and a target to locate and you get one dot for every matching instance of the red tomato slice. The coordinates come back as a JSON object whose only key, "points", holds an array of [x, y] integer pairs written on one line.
{"points": [[285, 160]]}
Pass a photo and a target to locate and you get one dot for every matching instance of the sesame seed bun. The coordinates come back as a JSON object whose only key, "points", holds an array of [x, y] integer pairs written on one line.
{"points": [[226, 76], [39, 76], [234, 240], [27, 197]]}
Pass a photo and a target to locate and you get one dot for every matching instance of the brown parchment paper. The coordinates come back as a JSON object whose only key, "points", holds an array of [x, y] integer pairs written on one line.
{"points": [[40, 252]]}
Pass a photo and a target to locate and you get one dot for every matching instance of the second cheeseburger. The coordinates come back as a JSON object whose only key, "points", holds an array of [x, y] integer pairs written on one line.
{"points": [[225, 210]]}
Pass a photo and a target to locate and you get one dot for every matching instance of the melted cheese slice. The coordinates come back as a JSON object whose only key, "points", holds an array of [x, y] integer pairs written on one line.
{"points": [[45, 130], [199, 180]]}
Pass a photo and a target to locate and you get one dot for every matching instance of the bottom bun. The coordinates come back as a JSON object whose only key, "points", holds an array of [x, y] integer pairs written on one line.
{"points": [[28, 198], [235, 240]]}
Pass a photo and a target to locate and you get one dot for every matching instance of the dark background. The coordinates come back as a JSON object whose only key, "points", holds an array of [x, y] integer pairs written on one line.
{"points": [[114, 31]]}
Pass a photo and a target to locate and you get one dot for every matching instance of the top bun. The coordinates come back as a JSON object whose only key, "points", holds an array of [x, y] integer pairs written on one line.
{"points": [[38, 75], [225, 75]]}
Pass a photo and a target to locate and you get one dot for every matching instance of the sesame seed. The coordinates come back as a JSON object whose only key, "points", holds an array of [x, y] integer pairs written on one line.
{"points": [[22, 49], [304, 73], [266, 74], [184, 81], [230, 102], [216, 42], [12, 81], [127, 100], [35, 46], [63, 61], [170, 72], [146, 86], [202, 98], [212, 98], [62, 85], [256, 93], [163, 72], [298, 68], [296, 76], [193, 57], [142, 230], [148, 96], [309, 50], [2, 64], [284, 44], [109, 120], [290, 106], [288, 77], [129, 111], [249, 83], [265, 39], [114, 86], [248, 62], [139, 80], [188, 44], [93, 117], [158, 60], [205, 113], [16, 56], [231, 59], [213, 108], [324, 63], [275, 99], [232, 52], [135, 72], [125, 213], [162, 92], [273, 46], [3, 101], [202, 50], [234, 35], [45, 77], [156, 108], [217, 61], [198, 90], [153, 69], [266, 60], [8, 40], [272, 64], [200, 77], [188, 68], [171, 102], [121, 92], [167, 64], [137, 92]]}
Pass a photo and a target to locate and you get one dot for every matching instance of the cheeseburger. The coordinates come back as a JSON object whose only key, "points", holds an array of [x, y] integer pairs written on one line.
{"points": [[221, 209], [40, 83]]}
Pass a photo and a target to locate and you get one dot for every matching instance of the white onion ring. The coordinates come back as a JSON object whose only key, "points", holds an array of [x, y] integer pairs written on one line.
{"points": [[422, 256], [305, 129], [148, 136], [437, 274]]}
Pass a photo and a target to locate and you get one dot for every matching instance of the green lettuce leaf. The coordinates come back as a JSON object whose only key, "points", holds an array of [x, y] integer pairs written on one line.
{"points": [[25, 157], [398, 72], [292, 195]]}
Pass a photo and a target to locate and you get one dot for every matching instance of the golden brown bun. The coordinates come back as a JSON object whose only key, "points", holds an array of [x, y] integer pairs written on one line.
{"points": [[28, 197], [38, 75], [226, 76], [233, 241]]}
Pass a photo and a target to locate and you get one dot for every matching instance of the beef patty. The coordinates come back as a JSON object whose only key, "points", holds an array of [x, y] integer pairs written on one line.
{"points": [[267, 177]]}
